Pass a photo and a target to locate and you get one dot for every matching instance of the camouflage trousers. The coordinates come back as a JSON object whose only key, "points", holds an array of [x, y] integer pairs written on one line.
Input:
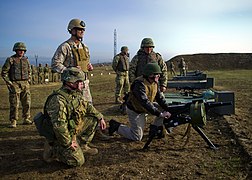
{"points": [[122, 83], [85, 133], [19, 91], [40, 78], [86, 92], [46, 77]]}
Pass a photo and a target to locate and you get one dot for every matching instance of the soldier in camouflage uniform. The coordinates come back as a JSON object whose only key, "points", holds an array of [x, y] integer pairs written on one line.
{"points": [[46, 73], [72, 119], [145, 55], [74, 53], [40, 74], [34, 74], [16, 73], [121, 66], [182, 67]]}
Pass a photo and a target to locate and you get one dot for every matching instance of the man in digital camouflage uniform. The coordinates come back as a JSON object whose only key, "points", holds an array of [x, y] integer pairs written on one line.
{"points": [[145, 55], [144, 92], [74, 53], [73, 119], [121, 66], [16, 73]]}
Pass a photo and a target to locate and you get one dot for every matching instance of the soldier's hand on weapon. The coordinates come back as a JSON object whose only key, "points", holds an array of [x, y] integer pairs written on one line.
{"points": [[78, 67], [162, 88], [102, 124], [165, 114], [90, 67]]}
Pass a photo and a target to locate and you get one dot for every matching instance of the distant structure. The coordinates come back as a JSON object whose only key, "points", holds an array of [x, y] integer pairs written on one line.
{"points": [[36, 59], [115, 42]]}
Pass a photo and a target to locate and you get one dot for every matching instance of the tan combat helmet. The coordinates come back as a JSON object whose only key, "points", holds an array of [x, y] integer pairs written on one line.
{"points": [[147, 42], [19, 46], [75, 23]]}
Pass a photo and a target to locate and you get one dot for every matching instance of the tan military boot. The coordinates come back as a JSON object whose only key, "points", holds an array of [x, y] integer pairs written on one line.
{"points": [[88, 150], [27, 122], [13, 124]]}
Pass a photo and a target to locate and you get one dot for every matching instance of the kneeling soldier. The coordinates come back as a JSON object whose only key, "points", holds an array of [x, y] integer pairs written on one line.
{"points": [[71, 119]]}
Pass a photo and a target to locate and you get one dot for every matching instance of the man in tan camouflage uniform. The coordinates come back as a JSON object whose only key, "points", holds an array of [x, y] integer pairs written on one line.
{"points": [[74, 53], [33, 74], [121, 66], [40, 74], [46, 73], [73, 120], [182, 67], [16, 73], [145, 55]]}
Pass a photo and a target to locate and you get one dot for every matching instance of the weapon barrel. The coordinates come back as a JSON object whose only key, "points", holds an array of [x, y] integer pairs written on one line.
{"points": [[209, 105]]}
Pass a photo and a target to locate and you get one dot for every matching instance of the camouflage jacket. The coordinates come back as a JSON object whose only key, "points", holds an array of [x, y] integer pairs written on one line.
{"points": [[66, 116], [120, 63], [141, 59], [64, 56]]}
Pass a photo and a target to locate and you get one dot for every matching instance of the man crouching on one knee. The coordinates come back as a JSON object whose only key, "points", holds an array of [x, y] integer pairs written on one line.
{"points": [[143, 92], [72, 120]]}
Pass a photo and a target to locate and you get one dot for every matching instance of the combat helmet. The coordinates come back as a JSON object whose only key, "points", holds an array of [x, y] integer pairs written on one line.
{"points": [[75, 23], [72, 74], [151, 68], [19, 46], [124, 48], [147, 42]]}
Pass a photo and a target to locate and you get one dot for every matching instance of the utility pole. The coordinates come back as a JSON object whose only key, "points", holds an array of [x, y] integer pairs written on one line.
{"points": [[36, 59], [115, 43]]}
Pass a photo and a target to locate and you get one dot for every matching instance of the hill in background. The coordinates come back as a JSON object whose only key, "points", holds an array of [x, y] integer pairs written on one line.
{"points": [[218, 61]]}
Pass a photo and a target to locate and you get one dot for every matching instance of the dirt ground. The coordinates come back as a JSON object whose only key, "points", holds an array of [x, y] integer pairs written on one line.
{"points": [[21, 148]]}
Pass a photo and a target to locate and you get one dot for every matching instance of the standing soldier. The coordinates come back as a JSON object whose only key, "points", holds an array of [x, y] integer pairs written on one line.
{"points": [[46, 73], [74, 53], [54, 76], [16, 73], [40, 74], [145, 55], [182, 67], [34, 73], [121, 66], [172, 69]]}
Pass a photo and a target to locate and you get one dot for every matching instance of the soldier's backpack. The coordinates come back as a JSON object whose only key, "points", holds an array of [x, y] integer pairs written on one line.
{"points": [[43, 122]]}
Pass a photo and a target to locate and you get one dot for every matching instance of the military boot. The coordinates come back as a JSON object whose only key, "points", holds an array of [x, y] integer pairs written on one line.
{"points": [[88, 150], [100, 135], [27, 122], [13, 124], [118, 101], [113, 126], [48, 153]]}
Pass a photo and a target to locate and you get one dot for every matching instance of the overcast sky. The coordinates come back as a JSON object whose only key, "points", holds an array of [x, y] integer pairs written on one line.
{"points": [[176, 26]]}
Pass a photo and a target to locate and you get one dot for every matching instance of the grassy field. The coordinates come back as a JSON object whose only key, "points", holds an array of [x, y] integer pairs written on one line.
{"points": [[21, 148]]}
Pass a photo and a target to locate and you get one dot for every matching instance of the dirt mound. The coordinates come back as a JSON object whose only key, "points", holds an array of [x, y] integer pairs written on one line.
{"points": [[219, 61]]}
